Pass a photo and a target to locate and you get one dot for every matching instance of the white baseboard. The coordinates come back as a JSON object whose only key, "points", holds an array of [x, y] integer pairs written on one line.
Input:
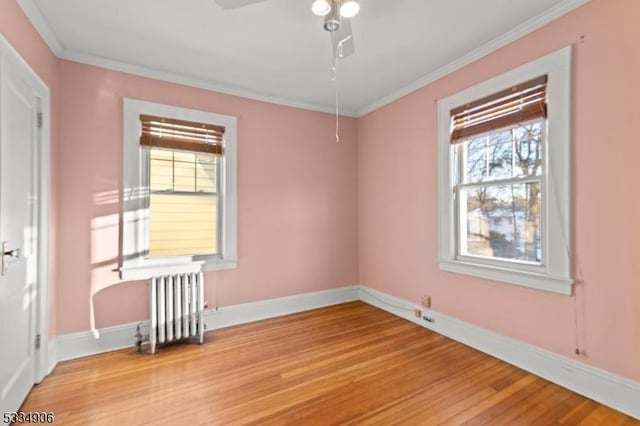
{"points": [[84, 343], [614, 391], [255, 311], [609, 389]]}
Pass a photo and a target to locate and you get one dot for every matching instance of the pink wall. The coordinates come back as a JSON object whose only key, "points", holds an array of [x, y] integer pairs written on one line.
{"points": [[297, 198], [19, 32], [313, 214], [398, 209]]}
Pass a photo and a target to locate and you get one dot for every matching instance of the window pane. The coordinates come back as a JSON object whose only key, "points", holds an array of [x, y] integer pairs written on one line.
{"points": [[476, 160], [489, 157], [178, 171], [182, 224], [206, 173], [528, 149], [161, 175], [500, 153], [161, 154], [503, 221], [184, 171], [184, 156], [504, 154]]}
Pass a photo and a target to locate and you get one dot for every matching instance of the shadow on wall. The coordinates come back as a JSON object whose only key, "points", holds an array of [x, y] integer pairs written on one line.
{"points": [[106, 308]]}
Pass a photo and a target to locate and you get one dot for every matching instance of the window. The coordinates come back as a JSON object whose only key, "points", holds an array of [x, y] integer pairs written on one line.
{"points": [[498, 150], [179, 193], [183, 203], [504, 177]]}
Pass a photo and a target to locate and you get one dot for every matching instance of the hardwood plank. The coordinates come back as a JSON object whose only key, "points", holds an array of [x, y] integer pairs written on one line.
{"points": [[537, 403], [511, 393], [555, 410], [604, 416], [430, 404], [345, 364]]}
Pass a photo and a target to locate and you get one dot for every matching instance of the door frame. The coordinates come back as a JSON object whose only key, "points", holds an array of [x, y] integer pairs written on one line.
{"points": [[45, 356]]}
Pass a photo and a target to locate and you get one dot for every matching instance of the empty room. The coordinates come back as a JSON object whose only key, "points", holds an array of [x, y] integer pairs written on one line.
{"points": [[319, 212]]}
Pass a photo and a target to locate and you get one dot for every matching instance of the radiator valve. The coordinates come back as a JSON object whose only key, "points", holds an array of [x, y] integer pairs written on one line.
{"points": [[140, 338]]}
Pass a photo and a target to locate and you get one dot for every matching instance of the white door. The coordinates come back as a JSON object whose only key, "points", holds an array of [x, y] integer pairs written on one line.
{"points": [[18, 230]]}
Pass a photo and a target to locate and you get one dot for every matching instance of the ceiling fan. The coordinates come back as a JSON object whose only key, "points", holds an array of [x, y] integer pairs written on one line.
{"points": [[337, 20]]}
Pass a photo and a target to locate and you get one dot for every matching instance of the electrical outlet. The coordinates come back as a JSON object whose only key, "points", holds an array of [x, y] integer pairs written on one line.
{"points": [[426, 301], [417, 313]]}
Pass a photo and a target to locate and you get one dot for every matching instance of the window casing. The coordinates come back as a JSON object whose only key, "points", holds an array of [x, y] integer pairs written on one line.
{"points": [[504, 194], [157, 178]]}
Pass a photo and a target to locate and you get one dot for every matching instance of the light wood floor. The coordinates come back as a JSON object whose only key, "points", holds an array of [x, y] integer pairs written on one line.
{"points": [[346, 364]]}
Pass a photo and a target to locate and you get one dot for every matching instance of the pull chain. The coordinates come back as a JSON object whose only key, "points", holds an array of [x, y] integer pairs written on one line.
{"points": [[334, 68]]}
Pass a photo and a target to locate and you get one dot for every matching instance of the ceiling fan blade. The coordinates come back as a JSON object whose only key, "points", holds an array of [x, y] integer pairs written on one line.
{"points": [[343, 40], [234, 4]]}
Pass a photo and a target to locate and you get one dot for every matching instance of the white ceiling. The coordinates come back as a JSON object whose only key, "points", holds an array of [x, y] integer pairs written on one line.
{"points": [[277, 50]]}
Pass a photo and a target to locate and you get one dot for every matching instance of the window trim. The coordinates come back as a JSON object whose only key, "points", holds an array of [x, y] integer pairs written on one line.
{"points": [[554, 275], [135, 196]]}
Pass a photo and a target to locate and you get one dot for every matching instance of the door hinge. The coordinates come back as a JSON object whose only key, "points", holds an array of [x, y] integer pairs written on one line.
{"points": [[37, 341], [39, 120]]}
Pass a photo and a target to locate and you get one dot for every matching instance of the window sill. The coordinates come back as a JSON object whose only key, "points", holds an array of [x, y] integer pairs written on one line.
{"points": [[143, 272], [220, 265], [528, 279]]}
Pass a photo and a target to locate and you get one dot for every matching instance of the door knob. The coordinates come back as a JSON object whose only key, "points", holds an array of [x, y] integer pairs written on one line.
{"points": [[6, 254]]}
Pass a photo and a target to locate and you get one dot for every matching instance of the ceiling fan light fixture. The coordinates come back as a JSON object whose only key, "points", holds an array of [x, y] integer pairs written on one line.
{"points": [[331, 24], [349, 8], [321, 7], [332, 20]]}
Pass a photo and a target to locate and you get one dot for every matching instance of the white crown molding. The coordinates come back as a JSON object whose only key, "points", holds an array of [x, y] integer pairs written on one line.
{"points": [[39, 22], [41, 25], [520, 31], [210, 85], [607, 388], [84, 343], [31, 9]]}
